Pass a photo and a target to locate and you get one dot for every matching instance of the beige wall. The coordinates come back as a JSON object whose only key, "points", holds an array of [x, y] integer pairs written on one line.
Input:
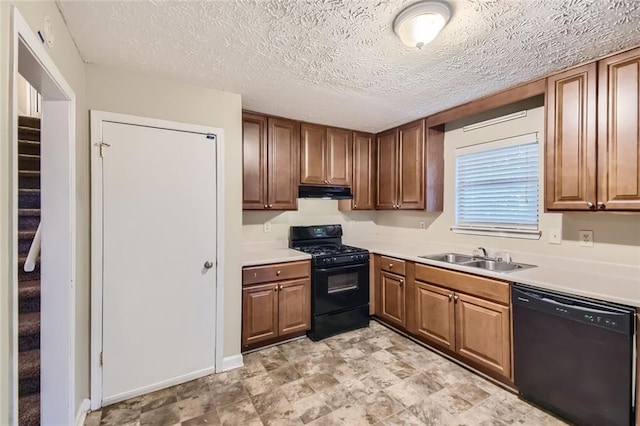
{"points": [[310, 212], [617, 236], [137, 94], [65, 55]]}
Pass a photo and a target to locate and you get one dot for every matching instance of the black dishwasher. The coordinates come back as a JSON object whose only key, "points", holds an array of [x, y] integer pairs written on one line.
{"points": [[574, 357]]}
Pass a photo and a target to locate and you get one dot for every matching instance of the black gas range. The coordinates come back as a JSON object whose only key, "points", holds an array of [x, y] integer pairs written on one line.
{"points": [[339, 280]]}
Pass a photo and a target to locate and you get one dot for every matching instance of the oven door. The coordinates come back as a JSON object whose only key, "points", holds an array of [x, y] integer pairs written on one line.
{"points": [[340, 287]]}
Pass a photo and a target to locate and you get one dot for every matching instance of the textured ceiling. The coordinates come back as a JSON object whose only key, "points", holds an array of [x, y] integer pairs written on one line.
{"points": [[338, 62]]}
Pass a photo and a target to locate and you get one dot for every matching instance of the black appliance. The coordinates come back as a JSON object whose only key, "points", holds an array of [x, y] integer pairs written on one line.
{"points": [[339, 280], [573, 356], [325, 192]]}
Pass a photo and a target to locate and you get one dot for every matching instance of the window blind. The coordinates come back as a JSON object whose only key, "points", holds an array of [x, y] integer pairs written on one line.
{"points": [[497, 185]]}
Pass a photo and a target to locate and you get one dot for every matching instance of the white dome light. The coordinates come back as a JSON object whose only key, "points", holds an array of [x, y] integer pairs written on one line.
{"points": [[421, 22]]}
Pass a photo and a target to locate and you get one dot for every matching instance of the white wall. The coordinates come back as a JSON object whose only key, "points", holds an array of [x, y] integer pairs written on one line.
{"points": [[66, 57], [138, 94]]}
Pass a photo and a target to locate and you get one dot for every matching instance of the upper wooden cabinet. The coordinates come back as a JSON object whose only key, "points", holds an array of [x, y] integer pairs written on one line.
{"points": [[593, 142], [325, 156], [270, 148], [364, 172], [619, 132], [410, 168]]}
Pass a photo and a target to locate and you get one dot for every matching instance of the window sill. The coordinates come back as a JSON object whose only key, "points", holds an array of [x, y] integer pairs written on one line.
{"points": [[504, 233]]}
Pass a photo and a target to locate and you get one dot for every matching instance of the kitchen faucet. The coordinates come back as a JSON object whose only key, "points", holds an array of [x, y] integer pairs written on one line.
{"points": [[484, 251]]}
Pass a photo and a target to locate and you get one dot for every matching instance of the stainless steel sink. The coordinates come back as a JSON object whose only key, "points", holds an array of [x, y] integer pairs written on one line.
{"points": [[449, 257], [495, 265]]}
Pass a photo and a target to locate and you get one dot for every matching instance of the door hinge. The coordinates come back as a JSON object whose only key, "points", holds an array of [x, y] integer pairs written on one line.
{"points": [[101, 359], [102, 146]]}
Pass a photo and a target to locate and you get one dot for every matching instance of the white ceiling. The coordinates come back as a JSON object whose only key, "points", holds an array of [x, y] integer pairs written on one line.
{"points": [[339, 62]]}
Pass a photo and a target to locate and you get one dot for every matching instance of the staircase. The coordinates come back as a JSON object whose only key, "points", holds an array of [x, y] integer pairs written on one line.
{"points": [[28, 282]]}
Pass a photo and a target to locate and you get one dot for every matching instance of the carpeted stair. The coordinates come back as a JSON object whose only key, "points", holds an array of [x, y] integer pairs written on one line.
{"points": [[28, 282]]}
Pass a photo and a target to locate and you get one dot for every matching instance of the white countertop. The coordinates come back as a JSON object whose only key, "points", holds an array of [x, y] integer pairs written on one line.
{"points": [[617, 283], [607, 281], [263, 254]]}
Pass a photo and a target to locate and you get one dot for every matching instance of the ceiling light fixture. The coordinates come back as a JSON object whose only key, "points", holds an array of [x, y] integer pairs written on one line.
{"points": [[421, 22]]}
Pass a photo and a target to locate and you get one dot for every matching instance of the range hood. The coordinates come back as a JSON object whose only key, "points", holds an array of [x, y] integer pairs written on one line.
{"points": [[325, 192]]}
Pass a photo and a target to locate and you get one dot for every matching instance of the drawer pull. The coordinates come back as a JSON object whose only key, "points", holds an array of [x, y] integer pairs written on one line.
{"points": [[391, 265], [278, 273]]}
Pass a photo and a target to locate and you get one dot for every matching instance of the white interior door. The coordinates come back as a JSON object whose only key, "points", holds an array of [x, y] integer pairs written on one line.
{"points": [[159, 229]]}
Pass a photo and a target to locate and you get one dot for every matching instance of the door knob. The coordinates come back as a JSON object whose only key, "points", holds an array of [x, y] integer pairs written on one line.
{"points": [[208, 264]]}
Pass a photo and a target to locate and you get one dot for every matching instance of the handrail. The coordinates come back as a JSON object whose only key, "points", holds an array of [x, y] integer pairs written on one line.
{"points": [[34, 252]]}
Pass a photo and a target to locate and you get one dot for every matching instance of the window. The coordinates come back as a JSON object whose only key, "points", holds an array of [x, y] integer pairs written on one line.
{"points": [[497, 185]]}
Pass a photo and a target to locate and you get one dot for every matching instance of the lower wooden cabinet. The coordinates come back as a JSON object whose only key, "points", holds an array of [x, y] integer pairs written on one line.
{"points": [[259, 313], [275, 310], [465, 315], [483, 333], [392, 298], [435, 316], [294, 307], [474, 328]]}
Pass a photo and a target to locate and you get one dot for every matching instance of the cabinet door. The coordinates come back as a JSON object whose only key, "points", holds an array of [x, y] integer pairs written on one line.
{"points": [[619, 132], [339, 157], [284, 163], [387, 179], [313, 148], [294, 304], [392, 298], [363, 171], [570, 177], [254, 161], [435, 320], [259, 313], [483, 333], [411, 173]]}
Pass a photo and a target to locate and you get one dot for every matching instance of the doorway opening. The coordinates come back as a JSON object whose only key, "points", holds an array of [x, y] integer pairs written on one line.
{"points": [[42, 262]]}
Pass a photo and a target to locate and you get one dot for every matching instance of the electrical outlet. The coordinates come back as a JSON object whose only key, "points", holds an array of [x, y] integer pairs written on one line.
{"points": [[586, 238], [267, 227], [422, 227], [555, 236]]}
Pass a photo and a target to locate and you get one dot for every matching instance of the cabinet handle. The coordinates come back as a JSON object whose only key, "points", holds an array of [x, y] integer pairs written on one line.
{"points": [[450, 296], [278, 273], [355, 206], [391, 265], [276, 288], [590, 204], [601, 205], [270, 205], [266, 206], [280, 287], [401, 281], [455, 298]]}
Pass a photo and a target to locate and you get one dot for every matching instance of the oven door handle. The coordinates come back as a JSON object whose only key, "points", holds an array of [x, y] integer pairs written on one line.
{"points": [[341, 268]]}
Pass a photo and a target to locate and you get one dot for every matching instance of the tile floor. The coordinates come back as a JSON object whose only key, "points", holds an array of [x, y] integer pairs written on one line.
{"points": [[371, 376]]}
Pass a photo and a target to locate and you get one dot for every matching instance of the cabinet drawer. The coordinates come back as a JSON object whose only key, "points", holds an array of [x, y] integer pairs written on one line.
{"points": [[275, 272], [495, 290], [393, 265]]}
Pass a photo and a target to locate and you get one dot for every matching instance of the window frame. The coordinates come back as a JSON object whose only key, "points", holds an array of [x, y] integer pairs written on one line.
{"points": [[522, 231]]}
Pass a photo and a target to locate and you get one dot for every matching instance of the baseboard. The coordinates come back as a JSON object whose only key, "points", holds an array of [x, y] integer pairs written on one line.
{"points": [[231, 362], [157, 386], [83, 409]]}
